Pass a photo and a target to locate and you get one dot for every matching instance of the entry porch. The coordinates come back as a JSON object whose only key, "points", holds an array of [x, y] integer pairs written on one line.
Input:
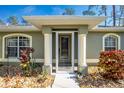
{"points": [[65, 50], [60, 40]]}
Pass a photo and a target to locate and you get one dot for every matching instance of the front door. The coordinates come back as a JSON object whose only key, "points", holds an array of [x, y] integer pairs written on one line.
{"points": [[64, 51]]}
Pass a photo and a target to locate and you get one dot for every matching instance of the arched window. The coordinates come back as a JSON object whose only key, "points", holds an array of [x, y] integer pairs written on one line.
{"points": [[111, 42], [14, 43]]}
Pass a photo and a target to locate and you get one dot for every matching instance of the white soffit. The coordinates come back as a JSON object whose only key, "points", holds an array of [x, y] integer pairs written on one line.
{"points": [[108, 29], [91, 21], [14, 28]]}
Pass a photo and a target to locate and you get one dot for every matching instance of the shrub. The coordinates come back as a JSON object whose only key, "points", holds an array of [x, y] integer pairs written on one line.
{"points": [[112, 63], [25, 60]]}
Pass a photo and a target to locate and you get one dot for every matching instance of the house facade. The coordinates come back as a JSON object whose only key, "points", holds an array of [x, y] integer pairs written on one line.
{"points": [[61, 43]]}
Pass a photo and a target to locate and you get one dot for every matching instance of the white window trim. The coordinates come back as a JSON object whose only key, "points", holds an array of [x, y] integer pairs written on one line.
{"points": [[11, 35], [113, 34]]}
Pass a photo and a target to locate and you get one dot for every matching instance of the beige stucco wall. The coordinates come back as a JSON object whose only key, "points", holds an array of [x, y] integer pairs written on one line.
{"points": [[122, 40], [95, 43], [53, 45], [37, 43], [76, 45]]}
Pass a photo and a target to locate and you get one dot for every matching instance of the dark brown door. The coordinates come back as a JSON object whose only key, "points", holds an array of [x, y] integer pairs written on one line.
{"points": [[64, 50]]}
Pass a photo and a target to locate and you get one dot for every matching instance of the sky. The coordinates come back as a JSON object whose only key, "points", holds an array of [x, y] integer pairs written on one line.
{"points": [[27, 10]]}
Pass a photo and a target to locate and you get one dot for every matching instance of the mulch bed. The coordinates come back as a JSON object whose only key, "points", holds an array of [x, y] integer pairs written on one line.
{"points": [[95, 80], [26, 82], [15, 78]]}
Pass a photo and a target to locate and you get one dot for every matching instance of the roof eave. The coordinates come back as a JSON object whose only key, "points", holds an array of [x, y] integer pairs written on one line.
{"points": [[108, 29], [38, 21], [14, 28]]}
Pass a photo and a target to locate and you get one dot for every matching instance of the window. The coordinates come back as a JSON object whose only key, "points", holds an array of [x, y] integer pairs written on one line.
{"points": [[14, 44], [111, 42]]}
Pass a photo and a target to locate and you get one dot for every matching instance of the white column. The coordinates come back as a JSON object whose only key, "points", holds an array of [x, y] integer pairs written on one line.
{"points": [[57, 52], [48, 49], [72, 51], [82, 50]]}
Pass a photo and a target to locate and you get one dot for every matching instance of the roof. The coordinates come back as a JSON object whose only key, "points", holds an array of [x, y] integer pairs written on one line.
{"points": [[108, 29], [14, 28], [38, 21], [91, 21]]}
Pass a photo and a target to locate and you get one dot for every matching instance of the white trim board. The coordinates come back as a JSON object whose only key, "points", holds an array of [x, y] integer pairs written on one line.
{"points": [[17, 60], [42, 60], [64, 31], [92, 60]]}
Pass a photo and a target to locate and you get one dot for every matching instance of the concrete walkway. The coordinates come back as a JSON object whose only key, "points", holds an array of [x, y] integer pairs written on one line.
{"points": [[65, 79]]}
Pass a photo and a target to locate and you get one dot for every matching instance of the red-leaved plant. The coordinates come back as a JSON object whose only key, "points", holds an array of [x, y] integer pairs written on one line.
{"points": [[112, 62], [25, 59]]}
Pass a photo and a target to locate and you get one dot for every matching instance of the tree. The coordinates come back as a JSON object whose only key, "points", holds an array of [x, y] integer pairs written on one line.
{"points": [[69, 11], [103, 10], [89, 13], [1, 22], [90, 7], [24, 22], [114, 15], [13, 20], [121, 15]]}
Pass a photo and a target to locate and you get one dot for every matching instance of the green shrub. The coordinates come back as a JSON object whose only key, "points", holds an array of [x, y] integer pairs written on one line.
{"points": [[112, 63]]}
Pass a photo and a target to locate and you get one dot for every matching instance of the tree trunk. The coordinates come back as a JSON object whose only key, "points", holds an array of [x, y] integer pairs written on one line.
{"points": [[114, 16], [105, 15]]}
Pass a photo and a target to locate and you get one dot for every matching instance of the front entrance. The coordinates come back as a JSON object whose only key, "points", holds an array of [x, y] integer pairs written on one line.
{"points": [[64, 50]]}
